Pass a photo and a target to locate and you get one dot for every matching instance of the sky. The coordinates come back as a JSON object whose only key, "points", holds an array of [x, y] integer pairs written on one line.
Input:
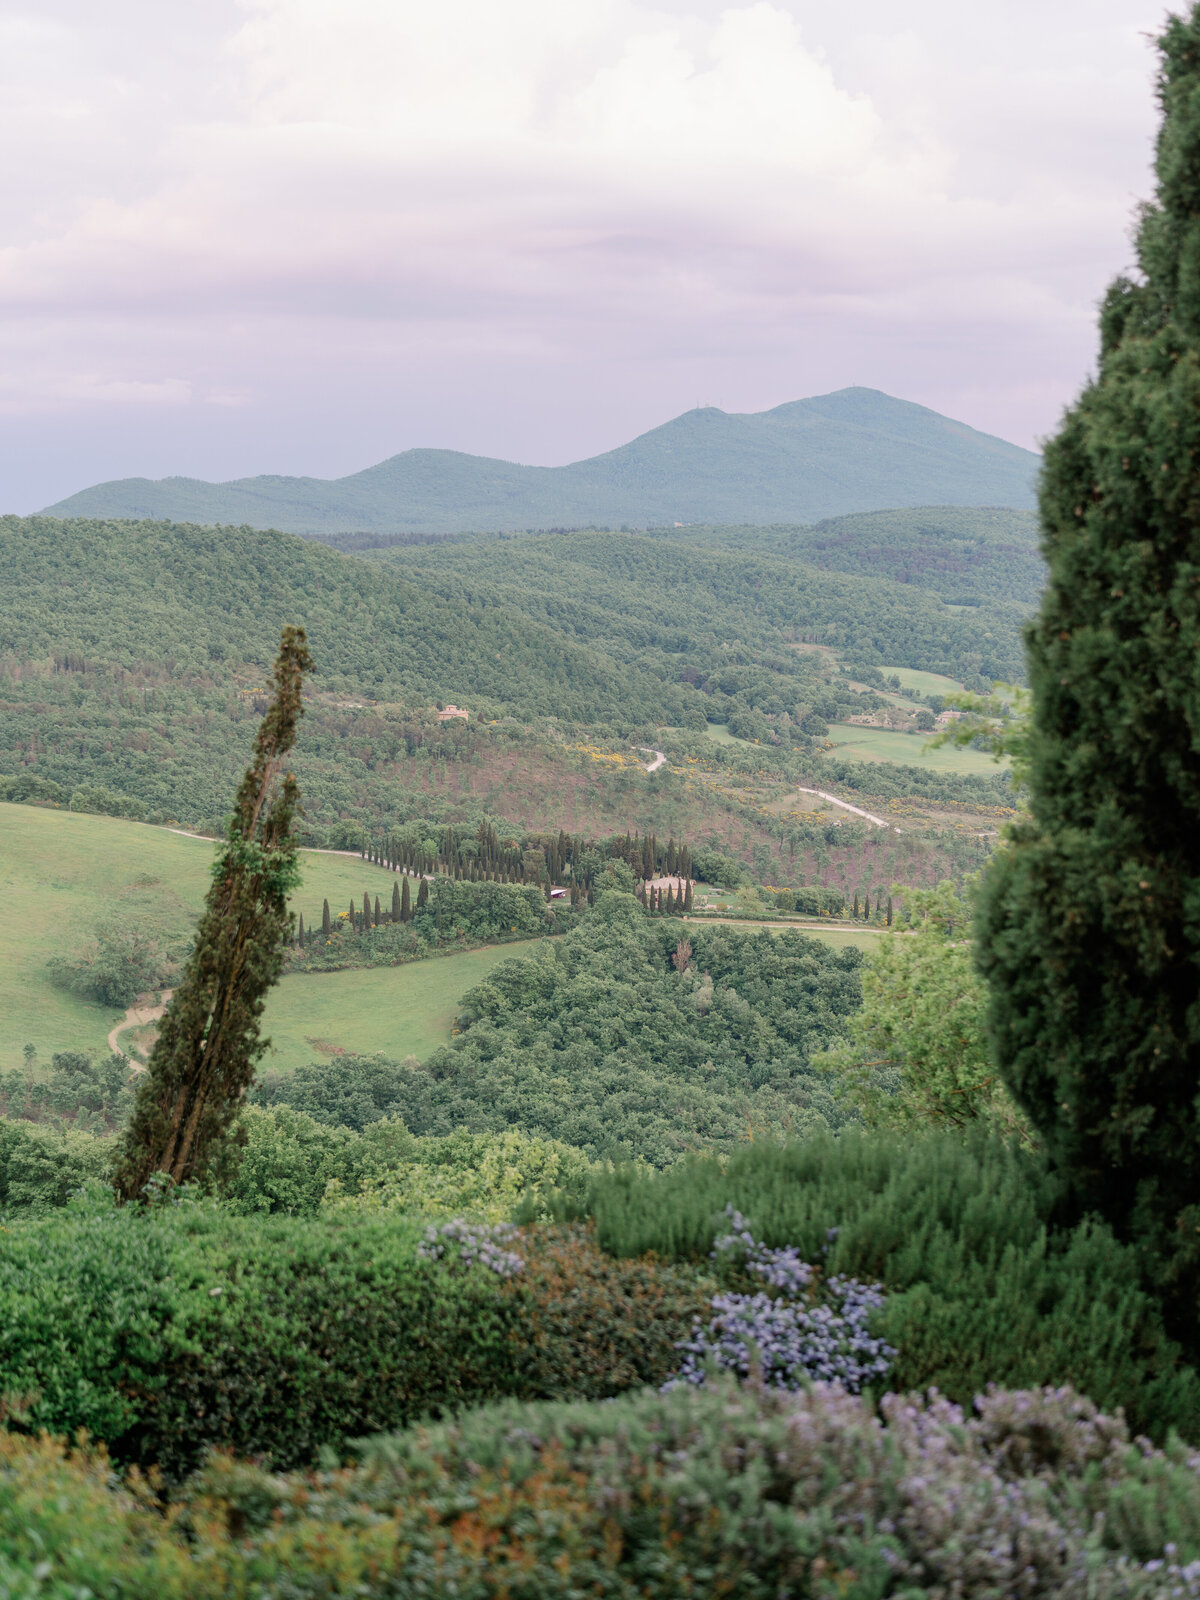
{"points": [[299, 236]]}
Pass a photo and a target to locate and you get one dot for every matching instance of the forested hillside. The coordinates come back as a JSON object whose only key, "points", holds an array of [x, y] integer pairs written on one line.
{"points": [[854, 450], [626, 1038], [965, 554], [132, 656]]}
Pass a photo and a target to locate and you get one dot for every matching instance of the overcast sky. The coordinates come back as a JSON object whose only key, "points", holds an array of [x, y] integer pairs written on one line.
{"points": [[298, 236]]}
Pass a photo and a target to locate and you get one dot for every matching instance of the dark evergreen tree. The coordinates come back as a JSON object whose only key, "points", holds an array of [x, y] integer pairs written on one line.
{"points": [[1089, 924], [366, 911], [687, 900], [854, 913], [422, 893], [405, 903], [300, 933], [353, 916], [208, 1041], [396, 902], [889, 911], [378, 913], [326, 920]]}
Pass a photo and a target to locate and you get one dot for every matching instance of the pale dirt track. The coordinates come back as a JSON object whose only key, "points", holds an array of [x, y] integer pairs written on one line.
{"points": [[143, 1011]]}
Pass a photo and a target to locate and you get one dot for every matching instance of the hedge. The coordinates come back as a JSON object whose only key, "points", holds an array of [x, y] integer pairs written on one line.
{"points": [[170, 1332]]}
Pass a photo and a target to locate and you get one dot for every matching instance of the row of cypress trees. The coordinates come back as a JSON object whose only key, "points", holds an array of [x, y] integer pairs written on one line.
{"points": [[666, 904], [536, 858]]}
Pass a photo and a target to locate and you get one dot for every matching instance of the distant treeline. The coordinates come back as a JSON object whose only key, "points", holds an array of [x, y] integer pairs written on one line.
{"points": [[538, 858]]}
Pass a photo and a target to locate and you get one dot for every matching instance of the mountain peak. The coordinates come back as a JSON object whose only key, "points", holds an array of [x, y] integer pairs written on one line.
{"points": [[852, 450]]}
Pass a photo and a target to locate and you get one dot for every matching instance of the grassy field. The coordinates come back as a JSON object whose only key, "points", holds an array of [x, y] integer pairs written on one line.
{"points": [[721, 734], [863, 938], [62, 873], [886, 744], [396, 1011], [922, 682]]}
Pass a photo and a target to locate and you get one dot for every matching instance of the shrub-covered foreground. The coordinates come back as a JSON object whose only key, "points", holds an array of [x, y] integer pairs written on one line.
{"points": [[982, 1286], [171, 1331], [716, 1491]]}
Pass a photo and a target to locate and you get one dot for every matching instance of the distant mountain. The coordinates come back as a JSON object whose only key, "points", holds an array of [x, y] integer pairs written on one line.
{"points": [[851, 451]]}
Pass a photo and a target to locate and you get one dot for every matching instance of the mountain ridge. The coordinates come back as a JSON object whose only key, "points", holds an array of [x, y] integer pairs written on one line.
{"points": [[850, 451]]}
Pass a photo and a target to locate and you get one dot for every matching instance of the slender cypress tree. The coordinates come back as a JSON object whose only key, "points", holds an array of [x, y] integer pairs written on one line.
{"points": [[326, 919], [378, 913], [687, 901], [889, 911], [396, 900], [353, 916], [405, 903], [1089, 927], [422, 893], [208, 1042], [300, 933], [854, 913]]}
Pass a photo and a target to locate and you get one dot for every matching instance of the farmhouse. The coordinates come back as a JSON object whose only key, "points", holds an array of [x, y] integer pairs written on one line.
{"points": [[452, 711]]}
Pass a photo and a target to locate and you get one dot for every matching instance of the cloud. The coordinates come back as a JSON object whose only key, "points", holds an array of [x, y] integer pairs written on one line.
{"points": [[272, 201]]}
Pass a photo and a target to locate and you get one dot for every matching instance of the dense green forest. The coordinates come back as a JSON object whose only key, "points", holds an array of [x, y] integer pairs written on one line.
{"points": [[629, 1036], [854, 450], [965, 554], [153, 699]]}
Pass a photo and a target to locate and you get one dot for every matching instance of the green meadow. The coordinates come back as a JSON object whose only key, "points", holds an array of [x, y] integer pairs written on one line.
{"points": [[922, 682], [721, 734], [886, 744], [392, 1011], [62, 873]]}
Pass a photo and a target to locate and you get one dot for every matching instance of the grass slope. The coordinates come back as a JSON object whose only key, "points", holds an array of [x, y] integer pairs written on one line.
{"points": [[885, 744], [850, 451], [393, 1011], [60, 874]]}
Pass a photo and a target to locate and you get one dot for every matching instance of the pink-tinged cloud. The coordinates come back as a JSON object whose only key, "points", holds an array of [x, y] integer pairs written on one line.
{"points": [[301, 235]]}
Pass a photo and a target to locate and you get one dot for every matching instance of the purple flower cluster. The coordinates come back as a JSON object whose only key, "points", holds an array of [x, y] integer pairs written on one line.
{"points": [[474, 1244], [803, 1331]]}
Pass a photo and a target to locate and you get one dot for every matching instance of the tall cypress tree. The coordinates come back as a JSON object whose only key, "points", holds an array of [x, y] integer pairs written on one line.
{"points": [[405, 903], [422, 893], [300, 933], [396, 899], [326, 919], [1089, 925], [378, 913], [208, 1041], [366, 911]]}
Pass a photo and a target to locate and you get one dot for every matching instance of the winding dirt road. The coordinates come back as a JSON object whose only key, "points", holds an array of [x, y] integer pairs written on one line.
{"points": [[660, 759], [143, 1011]]}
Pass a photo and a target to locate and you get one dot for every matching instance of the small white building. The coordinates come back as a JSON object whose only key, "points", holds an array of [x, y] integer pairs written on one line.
{"points": [[451, 712]]}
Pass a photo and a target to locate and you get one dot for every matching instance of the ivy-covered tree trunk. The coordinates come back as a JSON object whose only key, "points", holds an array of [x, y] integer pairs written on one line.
{"points": [[1089, 928], [208, 1043]]}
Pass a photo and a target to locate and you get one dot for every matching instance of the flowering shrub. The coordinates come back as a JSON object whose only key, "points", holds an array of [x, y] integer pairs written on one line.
{"points": [[474, 1244], [802, 1331], [723, 1490]]}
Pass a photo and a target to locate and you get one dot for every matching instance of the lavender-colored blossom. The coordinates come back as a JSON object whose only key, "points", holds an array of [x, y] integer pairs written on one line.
{"points": [[473, 1244], [804, 1331]]}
